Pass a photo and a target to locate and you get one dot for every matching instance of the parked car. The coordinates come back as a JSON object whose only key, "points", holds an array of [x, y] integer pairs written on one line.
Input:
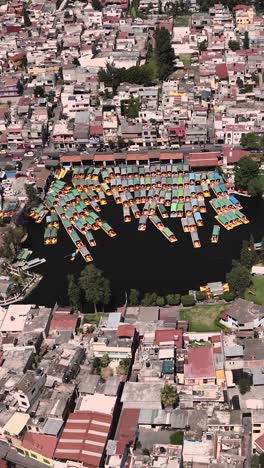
{"points": [[29, 153], [17, 158]]}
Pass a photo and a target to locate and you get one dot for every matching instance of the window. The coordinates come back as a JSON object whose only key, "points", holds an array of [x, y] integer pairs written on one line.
{"points": [[33, 455], [45, 461]]}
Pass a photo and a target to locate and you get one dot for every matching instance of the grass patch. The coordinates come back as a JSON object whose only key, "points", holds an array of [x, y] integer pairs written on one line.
{"points": [[186, 59], [94, 319], [255, 292], [203, 318], [181, 21]]}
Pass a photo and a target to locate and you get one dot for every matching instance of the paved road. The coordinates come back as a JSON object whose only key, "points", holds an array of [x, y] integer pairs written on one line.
{"points": [[248, 429]]}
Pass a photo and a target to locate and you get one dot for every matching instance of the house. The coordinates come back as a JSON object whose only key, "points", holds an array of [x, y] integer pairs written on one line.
{"points": [[84, 438], [142, 395], [243, 315], [199, 367], [28, 389]]}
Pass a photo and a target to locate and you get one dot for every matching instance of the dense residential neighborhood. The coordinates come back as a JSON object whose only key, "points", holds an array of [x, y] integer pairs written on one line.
{"points": [[159, 99]]}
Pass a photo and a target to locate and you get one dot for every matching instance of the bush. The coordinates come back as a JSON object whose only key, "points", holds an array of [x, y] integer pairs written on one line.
{"points": [[228, 296], [244, 385], [160, 301], [173, 299], [188, 300], [176, 438], [201, 295]]}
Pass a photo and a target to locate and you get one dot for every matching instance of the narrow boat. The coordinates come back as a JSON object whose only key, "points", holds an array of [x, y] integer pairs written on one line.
{"points": [[169, 234], [157, 222], [47, 236], [185, 225], [135, 211], [215, 234], [202, 206], [198, 219], [126, 214], [188, 209], [146, 209], [90, 238], [53, 235], [242, 217], [117, 197], [163, 211], [102, 199], [167, 198], [108, 229], [235, 201], [85, 254], [142, 223], [173, 210], [191, 223], [152, 208], [76, 239], [179, 210], [195, 240]]}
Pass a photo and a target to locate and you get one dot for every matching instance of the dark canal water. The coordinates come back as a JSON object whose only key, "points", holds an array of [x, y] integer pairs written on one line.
{"points": [[143, 260]]}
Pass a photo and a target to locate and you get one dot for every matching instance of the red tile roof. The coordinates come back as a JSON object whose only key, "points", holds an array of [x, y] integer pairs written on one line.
{"points": [[260, 442], [137, 157], [126, 431], [173, 156], [200, 364], [125, 330], [84, 438], [96, 130], [104, 157], [168, 335], [62, 321], [216, 339], [69, 159], [233, 155], [204, 159], [221, 71], [40, 443]]}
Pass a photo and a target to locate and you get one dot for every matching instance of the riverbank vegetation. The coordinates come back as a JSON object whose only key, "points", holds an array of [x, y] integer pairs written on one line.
{"points": [[247, 176], [255, 292]]}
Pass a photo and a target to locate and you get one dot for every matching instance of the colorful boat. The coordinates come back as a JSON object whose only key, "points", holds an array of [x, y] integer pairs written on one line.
{"points": [[135, 211], [185, 225], [126, 214], [108, 229], [195, 240], [215, 234], [191, 223], [142, 223], [163, 211], [198, 219], [90, 238], [169, 234], [157, 222]]}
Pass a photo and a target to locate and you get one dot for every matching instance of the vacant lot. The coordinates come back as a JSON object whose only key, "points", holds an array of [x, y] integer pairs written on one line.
{"points": [[203, 318], [255, 292]]}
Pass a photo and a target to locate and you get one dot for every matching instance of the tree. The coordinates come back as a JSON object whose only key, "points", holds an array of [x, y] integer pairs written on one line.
{"points": [[228, 296], [173, 299], [246, 41], [27, 22], [201, 295], [257, 461], [168, 395], [120, 143], [246, 170], [32, 195], [188, 300], [239, 278], [164, 53], [132, 108], [76, 62], [252, 141], [239, 82], [11, 242], [96, 4], [96, 288], [149, 299], [160, 301], [39, 91], [243, 385], [125, 364], [233, 45], [247, 255], [105, 360], [134, 297], [74, 292], [202, 46], [255, 187], [176, 438]]}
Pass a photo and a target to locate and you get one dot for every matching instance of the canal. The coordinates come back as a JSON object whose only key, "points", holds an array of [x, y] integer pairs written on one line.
{"points": [[143, 260]]}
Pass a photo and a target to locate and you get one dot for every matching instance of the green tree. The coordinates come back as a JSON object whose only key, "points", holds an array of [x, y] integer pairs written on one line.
{"points": [[173, 299], [188, 300], [202, 46], [246, 41], [11, 242], [132, 108], [246, 170], [243, 385], [247, 255], [201, 295], [120, 143], [252, 141], [257, 461], [39, 91], [105, 360], [176, 438], [149, 299], [233, 45], [27, 22], [32, 195], [74, 292], [125, 364], [164, 53], [96, 4], [255, 187], [96, 288], [160, 301], [228, 296], [134, 297], [239, 278], [168, 395]]}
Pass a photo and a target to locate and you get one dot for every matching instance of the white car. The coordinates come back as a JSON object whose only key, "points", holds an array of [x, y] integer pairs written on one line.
{"points": [[29, 153]]}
